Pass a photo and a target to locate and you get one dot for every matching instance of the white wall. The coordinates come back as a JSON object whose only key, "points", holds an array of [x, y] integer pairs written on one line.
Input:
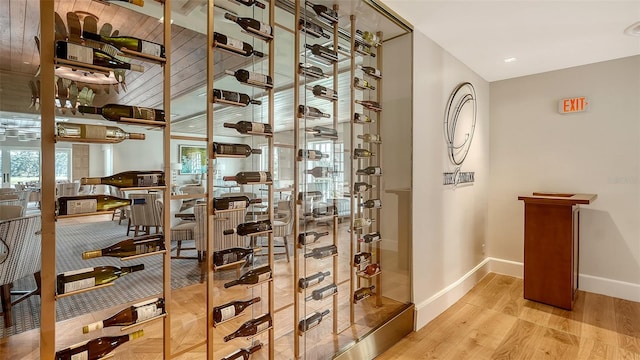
{"points": [[534, 148], [449, 225]]}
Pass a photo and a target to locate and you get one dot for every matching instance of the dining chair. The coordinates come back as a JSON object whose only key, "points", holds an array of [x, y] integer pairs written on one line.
{"points": [[20, 251], [11, 211], [144, 214], [283, 225], [191, 189], [182, 231]]}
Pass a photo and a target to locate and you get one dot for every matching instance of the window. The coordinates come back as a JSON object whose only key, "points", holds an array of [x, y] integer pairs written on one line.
{"points": [[25, 165]]}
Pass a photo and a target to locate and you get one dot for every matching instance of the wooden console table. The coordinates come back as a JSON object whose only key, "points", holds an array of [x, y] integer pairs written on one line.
{"points": [[551, 241]]}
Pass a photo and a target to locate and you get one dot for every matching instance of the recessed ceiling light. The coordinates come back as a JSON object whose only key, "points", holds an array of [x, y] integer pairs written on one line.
{"points": [[191, 126], [633, 29], [203, 94], [26, 62], [510, 59], [162, 20]]}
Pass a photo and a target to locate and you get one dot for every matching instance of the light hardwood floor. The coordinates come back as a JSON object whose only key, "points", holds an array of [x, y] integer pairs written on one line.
{"points": [[493, 321]]}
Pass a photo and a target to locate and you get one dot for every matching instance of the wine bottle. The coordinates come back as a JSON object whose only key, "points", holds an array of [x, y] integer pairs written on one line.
{"points": [[370, 38], [96, 348], [233, 98], [250, 177], [243, 353], [361, 258], [372, 204], [362, 153], [310, 70], [319, 172], [234, 45], [370, 105], [322, 52], [360, 118], [128, 42], [323, 92], [128, 179], [89, 55], [249, 228], [370, 170], [312, 29], [371, 237], [359, 223], [362, 84], [311, 154], [371, 71], [310, 237], [251, 78], [93, 133], [312, 321], [251, 277], [234, 202], [324, 211], [363, 49], [323, 292], [227, 311], [370, 270], [309, 281], [89, 277], [323, 132], [360, 187], [363, 293], [129, 247], [251, 327], [322, 252], [115, 112], [324, 13], [230, 255], [83, 204], [370, 138], [311, 112], [245, 127], [134, 314], [250, 3], [233, 150], [252, 26]]}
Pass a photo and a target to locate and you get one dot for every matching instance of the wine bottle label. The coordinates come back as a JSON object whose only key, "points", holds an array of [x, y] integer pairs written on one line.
{"points": [[257, 77], [235, 43], [261, 327], [237, 205], [93, 327], [81, 356], [329, 92], [312, 154], [79, 53], [144, 113], [82, 206], [148, 179], [257, 127], [148, 312], [229, 258], [151, 48], [263, 176], [227, 312], [313, 281], [264, 28], [264, 277], [313, 323], [93, 132], [327, 292], [79, 284]]}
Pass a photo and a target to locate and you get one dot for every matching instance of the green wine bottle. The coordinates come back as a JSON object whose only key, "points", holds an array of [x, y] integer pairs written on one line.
{"points": [[90, 277]]}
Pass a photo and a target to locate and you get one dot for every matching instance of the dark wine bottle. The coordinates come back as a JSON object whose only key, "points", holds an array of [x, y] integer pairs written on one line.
{"points": [[323, 132], [243, 353], [96, 348], [129, 247], [371, 71], [128, 42], [115, 112], [372, 204], [363, 293], [251, 277], [310, 237], [233, 202], [322, 252], [246, 127], [252, 327], [310, 71], [312, 29], [360, 118], [251, 78], [311, 154], [134, 314], [309, 281], [250, 177], [362, 153], [370, 270], [371, 138], [94, 133], [364, 49], [323, 292], [360, 187], [234, 45], [323, 92], [370, 105], [319, 172], [312, 321], [311, 112], [324, 13], [233, 98], [250, 3], [361, 258], [128, 179], [84, 204], [371, 237], [86, 278], [322, 52], [227, 311], [233, 150], [362, 84], [252, 26], [370, 170], [249, 228], [230, 255], [89, 55]]}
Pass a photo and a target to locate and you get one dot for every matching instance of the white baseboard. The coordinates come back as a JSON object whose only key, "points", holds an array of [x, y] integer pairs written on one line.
{"points": [[443, 299]]}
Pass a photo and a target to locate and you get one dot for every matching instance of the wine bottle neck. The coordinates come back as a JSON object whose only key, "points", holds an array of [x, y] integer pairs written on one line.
{"points": [[231, 17], [91, 254], [90, 110], [90, 181]]}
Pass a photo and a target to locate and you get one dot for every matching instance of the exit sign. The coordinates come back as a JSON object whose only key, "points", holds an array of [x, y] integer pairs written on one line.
{"points": [[573, 105]]}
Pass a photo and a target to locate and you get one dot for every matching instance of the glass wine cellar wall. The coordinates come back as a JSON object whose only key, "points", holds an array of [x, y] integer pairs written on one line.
{"points": [[239, 177]]}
